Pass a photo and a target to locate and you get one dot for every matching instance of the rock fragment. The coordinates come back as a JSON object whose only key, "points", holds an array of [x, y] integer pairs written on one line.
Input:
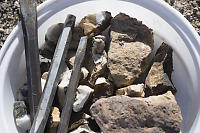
{"points": [[82, 95], [62, 88], [51, 39], [53, 121], [130, 49], [103, 88], [132, 91], [141, 115], [71, 58], [22, 119], [96, 59], [94, 24], [45, 64], [159, 77]]}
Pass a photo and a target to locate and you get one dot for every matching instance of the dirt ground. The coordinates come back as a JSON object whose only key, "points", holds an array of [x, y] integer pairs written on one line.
{"points": [[9, 14]]}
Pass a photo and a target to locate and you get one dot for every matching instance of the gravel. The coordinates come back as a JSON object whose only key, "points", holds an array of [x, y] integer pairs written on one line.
{"points": [[9, 14]]}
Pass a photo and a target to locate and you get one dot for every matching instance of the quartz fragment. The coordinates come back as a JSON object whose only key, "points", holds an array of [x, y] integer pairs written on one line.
{"points": [[22, 119], [138, 115], [82, 95], [98, 44], [132, 91], [130, 49], [159, 77]]}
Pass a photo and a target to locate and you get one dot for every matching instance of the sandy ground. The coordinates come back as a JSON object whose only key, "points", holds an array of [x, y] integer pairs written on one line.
{"points": [[9, 14]]}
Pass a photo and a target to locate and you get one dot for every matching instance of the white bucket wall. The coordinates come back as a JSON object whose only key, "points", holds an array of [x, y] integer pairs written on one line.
{"points": [[168, 25]]}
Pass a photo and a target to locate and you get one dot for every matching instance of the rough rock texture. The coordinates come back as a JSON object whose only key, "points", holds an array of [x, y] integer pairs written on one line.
{"points": [[53, 121], [129, 53], [159, 77], [22, 119], [132, 91], [103, 88], [122, 114], [93, 24], [82, 95]]}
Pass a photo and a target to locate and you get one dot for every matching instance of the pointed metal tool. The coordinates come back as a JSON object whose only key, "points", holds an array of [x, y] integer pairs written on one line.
{"points": [[73, 84], [29, 26], [57, 67]]}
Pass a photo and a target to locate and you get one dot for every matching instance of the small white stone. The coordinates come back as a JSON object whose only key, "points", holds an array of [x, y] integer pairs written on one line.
{"points": [[82, 94], [84, 73], [98, 44], [132, 90], [65, 79], [43, 82], [82, 130], [100, 80], [24, 123]]}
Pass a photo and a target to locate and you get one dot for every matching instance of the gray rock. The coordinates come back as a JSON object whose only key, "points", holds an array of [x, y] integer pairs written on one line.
{"points": [[130, 49], [132, 91], [22, 119], [158, 79], [51, 39], [124, 114]]}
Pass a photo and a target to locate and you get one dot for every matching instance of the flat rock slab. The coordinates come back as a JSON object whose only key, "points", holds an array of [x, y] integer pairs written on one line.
{"points": [[130, 49], [159, 77], [122, 114]]}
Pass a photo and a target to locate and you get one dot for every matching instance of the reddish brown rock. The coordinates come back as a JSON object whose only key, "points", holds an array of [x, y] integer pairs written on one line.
{"points": [[124, 114], [130, 49]]}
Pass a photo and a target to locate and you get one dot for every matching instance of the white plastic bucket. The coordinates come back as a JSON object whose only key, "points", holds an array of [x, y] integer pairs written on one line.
{"points": [[168, 25]]}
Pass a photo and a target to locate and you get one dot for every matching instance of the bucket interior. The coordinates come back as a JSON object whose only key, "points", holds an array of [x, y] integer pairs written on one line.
{"points": [[183, 77]]}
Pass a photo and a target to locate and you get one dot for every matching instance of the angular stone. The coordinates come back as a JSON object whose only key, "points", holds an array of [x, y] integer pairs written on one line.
{"points": [[94, 24], [53, 121], [130, 49], [63, 85], [159, 77], [138, 115], [132, 91], [96, 65], [103, 88], [45, 64], [98, 44], [82, 95], [22, 119], [62, 88]]}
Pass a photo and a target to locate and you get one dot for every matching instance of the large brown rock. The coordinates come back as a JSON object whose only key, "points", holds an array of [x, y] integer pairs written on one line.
{"points": [[122, 114], [130, 49], [159, 77]]}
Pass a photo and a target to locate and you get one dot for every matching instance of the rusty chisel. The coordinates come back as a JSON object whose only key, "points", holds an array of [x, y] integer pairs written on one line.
{"points": [[73, 84], [57, 67], [29, 26]]}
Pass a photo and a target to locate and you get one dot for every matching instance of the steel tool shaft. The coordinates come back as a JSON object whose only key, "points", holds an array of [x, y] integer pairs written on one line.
{"points": [[57, 67], [73, 84], [29, 26]]}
